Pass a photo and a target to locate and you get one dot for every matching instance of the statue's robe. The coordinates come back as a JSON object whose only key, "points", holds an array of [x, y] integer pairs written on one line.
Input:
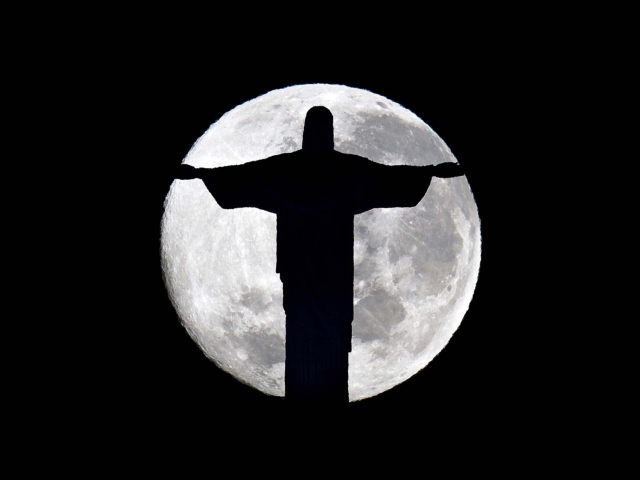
{"points": [[315, 197]]}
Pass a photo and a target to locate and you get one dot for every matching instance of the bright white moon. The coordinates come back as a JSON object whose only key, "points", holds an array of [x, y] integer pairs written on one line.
{"points": [[415, 268]]}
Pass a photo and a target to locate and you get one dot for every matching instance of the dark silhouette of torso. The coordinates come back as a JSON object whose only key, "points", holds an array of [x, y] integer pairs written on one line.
{"points": [[315, 193]]}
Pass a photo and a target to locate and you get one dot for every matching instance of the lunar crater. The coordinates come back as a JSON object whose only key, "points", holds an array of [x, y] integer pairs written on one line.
{"points": [[386, 137], [368, 315]]}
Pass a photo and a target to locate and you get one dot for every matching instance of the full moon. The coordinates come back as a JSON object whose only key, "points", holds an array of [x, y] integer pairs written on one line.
{"points": [[415, 268]]}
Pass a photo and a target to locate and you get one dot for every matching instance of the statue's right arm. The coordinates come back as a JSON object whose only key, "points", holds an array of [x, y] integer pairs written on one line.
{"points": [[235, 186], [186, 172]]}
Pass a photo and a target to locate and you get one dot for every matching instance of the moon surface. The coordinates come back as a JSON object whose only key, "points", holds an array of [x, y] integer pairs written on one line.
{"points": [[415, 268]]}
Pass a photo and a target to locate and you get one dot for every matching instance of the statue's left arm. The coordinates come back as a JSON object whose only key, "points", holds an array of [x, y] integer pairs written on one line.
{"points": [[392, 186], [447, 170]]}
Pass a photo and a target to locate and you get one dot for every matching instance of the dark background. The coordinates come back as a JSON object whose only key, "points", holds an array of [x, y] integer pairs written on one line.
{"points": [[493, 371], [108, 102]]}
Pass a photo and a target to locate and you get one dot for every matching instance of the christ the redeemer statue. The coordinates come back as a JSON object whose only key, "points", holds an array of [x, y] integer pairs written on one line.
{"points": [[315, 192]]}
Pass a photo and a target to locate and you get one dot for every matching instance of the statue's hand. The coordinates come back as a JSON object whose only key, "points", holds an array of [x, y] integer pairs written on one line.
{"points": [[186, 172], [448, 170]]}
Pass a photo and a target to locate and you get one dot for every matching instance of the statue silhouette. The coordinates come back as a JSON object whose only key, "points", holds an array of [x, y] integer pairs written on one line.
{"points": [[315, 193]]}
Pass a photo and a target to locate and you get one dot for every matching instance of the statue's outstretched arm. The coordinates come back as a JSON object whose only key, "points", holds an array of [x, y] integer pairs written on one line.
{"points": [[447, 170], [186, 172], [236, 186]]}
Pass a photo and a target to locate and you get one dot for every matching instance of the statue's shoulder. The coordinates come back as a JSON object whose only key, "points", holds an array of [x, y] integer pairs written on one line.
{"points": [[286, 157], [269, 162], [351, 157]]}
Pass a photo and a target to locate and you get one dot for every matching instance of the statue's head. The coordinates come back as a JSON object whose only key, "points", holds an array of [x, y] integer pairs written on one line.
{"points": [[318, 130]]}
